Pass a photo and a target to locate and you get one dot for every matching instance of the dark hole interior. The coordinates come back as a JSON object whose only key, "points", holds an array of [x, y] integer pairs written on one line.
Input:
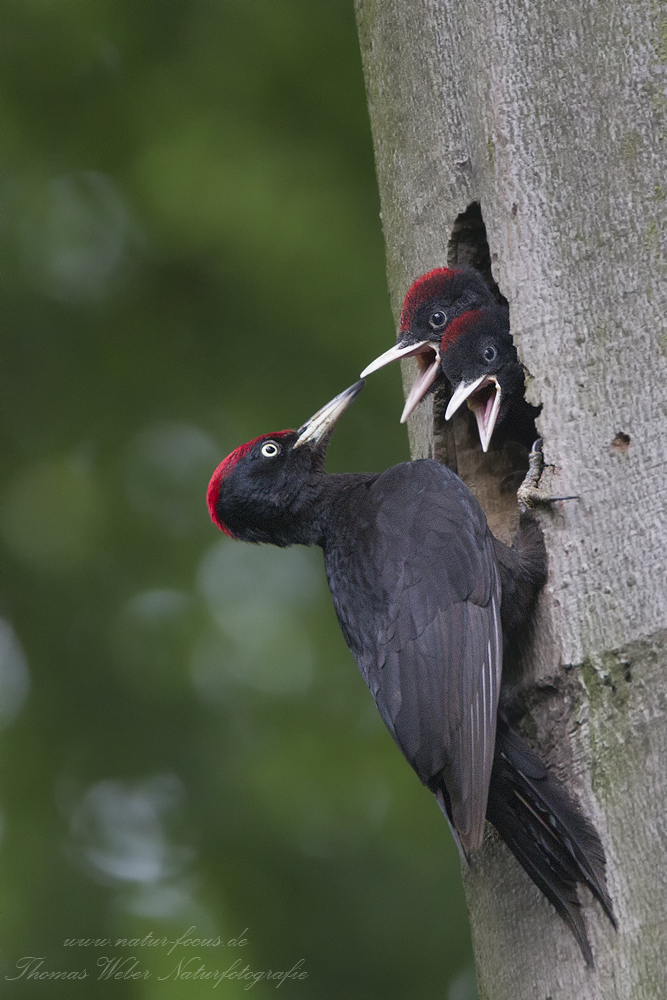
{"points": [[468, 244]]}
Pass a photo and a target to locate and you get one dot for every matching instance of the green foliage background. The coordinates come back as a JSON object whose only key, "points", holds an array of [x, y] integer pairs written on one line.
{"points": [[191, 256]]}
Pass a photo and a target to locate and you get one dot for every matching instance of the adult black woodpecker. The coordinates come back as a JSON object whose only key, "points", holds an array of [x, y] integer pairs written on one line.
{"points": [[456, 329], [425, 597]]}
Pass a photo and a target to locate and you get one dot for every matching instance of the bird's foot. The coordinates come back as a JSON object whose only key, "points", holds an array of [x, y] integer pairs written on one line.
{"points": [[529, 495]]}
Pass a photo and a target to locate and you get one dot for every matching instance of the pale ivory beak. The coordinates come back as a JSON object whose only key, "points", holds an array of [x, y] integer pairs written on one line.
{"points": [[486, 411], [396, 352], [324, 420], [425, 378], [422, 384]]}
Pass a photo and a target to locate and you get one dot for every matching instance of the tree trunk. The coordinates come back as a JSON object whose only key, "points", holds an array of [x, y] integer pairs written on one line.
{"points": [[553, 118]]}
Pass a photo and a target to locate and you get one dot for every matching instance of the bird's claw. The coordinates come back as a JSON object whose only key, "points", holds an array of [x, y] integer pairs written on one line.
{"points": [[529, 495]]}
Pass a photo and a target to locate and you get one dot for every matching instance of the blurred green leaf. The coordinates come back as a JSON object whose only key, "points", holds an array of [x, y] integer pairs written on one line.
{"points": [[191, 255]]}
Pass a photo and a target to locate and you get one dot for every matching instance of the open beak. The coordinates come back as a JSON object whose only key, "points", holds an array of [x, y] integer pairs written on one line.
{"points": [[396, 353], [426, 376], [428, 359], [322, 423], [483, 396]]}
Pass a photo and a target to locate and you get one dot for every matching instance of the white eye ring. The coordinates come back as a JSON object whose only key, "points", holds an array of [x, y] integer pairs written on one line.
{"points": [[270, 449], [440, 322]]}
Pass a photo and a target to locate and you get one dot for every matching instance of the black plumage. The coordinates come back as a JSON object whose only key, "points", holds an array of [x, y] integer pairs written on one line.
{"points": [[546, 831], [460, 335], [481, 363], [411, 567], [426, 597]]}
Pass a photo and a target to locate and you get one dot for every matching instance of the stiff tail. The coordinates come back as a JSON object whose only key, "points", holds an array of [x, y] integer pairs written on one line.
{"points": [[546, 832]]}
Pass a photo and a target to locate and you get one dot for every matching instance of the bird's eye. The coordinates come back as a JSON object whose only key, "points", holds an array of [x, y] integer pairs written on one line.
{"points": [[270, 449], [489, 353], [437, 320]]}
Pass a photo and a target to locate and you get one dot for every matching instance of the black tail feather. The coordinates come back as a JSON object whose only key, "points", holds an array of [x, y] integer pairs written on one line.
{"points": [[546, 832]]}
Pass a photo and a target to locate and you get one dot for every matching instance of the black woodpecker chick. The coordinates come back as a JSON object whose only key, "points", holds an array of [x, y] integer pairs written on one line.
{"points": [[453, 325], [417, 581]]}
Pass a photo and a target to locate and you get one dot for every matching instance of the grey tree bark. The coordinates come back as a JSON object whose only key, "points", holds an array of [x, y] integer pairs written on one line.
{"points": [[553, 116]]}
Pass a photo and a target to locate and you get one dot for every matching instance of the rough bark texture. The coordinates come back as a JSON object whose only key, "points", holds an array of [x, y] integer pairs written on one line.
{"points": [[554, 118]]}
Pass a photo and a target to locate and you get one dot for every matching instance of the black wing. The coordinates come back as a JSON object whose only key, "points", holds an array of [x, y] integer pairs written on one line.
{"points": [[417, 592]]}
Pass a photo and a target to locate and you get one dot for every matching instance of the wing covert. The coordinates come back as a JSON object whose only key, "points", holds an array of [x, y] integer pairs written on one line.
{"points": [[422, 617]]}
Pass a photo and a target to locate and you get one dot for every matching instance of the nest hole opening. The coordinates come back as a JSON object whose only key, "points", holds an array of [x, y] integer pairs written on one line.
{"points": [[493, 476]]}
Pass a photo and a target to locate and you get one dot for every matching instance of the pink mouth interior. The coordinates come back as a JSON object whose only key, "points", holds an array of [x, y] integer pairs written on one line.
{"points": [[428, 364], [482, 401], [425, 359]]}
